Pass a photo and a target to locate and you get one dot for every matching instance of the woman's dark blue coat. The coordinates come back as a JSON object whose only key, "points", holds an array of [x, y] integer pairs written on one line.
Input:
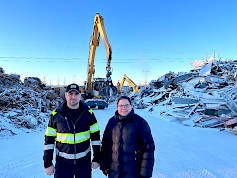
{"points": [[127, 147]]}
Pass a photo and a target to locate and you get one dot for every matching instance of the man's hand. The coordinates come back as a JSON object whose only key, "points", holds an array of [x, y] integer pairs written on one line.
{"points": [[95, 165], [50, 170]]}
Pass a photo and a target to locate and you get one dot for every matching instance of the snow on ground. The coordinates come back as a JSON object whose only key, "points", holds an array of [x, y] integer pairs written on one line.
{"points": [[181, 151]]}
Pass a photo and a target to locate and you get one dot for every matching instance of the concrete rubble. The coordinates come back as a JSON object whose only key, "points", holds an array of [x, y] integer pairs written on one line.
{"points": [[204, 97], [25, 104]]}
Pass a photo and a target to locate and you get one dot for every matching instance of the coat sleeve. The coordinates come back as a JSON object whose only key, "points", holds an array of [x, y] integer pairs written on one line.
{"points": [[49, 142], [95, 137], [148, 149], [104, 165]]}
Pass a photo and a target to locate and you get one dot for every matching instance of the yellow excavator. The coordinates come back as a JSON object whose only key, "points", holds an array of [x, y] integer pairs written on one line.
{"points": [[99, 90], [130, 82]]}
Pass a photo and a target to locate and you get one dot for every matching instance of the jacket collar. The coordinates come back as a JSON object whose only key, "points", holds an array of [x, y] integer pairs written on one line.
{"points": [[120, 118]]}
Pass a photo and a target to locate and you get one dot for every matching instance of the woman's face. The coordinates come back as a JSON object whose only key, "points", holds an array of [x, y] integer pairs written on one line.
{"points": [[124, 107]]}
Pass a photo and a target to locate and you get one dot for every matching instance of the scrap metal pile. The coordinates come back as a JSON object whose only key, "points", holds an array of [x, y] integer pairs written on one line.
{"points": [[25, 104], [204, 97]]}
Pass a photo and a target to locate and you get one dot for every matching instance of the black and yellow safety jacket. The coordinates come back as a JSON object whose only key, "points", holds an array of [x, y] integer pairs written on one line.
{"points": [[72, 140]]}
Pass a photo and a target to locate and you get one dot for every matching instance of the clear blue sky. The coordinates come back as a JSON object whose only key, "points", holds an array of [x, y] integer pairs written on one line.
{"points": [[149, 38]]}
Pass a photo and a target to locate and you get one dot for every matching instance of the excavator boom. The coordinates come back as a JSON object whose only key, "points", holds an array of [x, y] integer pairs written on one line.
{"points": [[130, 82], [98, 31], [101, 86]]}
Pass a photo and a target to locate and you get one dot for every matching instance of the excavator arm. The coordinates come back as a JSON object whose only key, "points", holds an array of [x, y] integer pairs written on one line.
{"points": [[122, 82], [130, 82], [98, 31]]}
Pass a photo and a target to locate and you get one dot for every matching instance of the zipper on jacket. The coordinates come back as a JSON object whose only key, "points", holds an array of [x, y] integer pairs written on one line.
{"points": [[75, 148], [74, 131], [67, 123]]}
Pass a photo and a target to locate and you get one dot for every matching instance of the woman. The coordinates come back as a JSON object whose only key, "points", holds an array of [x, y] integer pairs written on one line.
{"points": [[127, 145]]}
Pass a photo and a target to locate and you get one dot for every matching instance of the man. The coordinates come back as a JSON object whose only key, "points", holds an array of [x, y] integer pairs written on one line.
{"points": [[127, 145], [74, 127]]}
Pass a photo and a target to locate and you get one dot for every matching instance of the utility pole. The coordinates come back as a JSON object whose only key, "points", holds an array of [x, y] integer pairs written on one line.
{"points": [[58, 81], [44, 80], [214, 55], [206, 57], [64, 82], [145, 71]]}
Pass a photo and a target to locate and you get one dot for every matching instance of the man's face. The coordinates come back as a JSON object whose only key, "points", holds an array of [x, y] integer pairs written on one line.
{"points": [[73, 98], [124, 107]]}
